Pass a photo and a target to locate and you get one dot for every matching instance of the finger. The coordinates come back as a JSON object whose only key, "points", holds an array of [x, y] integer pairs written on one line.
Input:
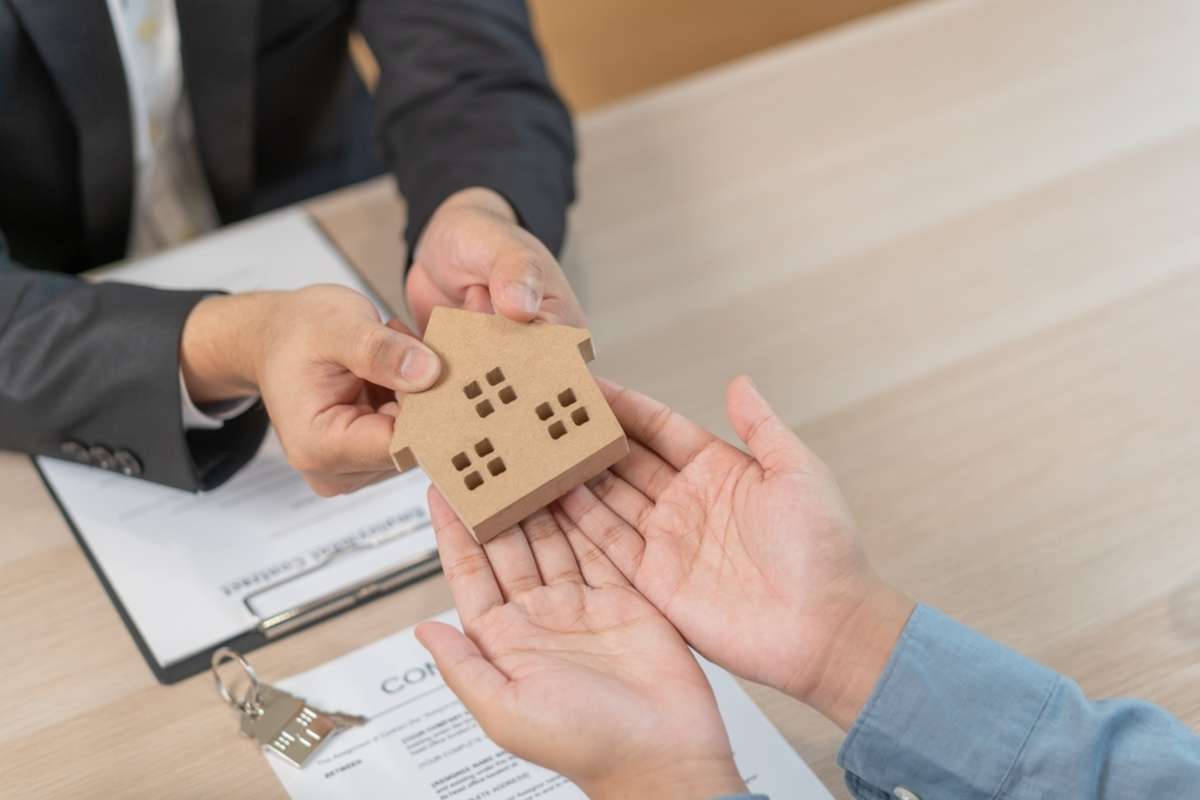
{"points": [[560, 306], [553, 554], [383, 355], [597, 569], [670, 434], [378, 396], [397, 325], [600, 524], [468, 571], [372, 478], [477, 299], [772, 443], [346, 484], [423, 294], [350, 439], [513, 563], [562, 311], [628, 503], [645, 471], [518, 281], [472, 678]]}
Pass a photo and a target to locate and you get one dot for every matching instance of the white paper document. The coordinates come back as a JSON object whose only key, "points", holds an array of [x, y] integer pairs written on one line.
{"points": [[182, 564], [421, 743]]}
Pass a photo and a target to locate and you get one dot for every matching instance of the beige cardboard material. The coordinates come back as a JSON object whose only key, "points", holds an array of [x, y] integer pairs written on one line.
{"points": [[515, 421]]}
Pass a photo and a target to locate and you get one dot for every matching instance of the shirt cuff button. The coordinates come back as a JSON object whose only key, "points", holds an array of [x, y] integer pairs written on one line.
{"points": [[102, 457], [128, 464], [74, 451]]}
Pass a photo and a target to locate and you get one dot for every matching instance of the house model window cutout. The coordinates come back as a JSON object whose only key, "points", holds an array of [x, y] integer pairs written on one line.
{"points": [[515, 421]]}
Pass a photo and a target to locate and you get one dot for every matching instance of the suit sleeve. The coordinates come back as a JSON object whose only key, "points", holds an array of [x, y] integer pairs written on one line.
{"points": [[91, 371], [464, 100]]}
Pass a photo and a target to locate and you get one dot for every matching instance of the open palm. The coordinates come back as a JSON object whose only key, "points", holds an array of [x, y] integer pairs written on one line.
{"points": [[754, 558], [563, 662]]}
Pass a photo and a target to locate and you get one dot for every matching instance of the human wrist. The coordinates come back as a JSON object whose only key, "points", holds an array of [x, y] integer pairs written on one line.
{"points": [[682, 779], [858, 653], [219, 346], [480, 198]]}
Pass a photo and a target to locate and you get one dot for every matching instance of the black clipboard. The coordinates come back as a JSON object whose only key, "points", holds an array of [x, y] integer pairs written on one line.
{"points": [[343, 600]]}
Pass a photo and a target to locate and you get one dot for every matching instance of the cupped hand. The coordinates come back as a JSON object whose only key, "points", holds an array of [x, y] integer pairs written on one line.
{"points": [[474, 255], [328, 370], [564, 664], [754, 557]]}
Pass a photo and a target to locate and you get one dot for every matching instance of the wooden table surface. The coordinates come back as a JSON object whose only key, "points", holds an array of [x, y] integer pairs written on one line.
{"points": [[958, 245]]}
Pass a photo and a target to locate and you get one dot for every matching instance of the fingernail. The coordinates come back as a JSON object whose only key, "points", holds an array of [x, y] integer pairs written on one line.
{"points": [[523, 296], [419, 366]]}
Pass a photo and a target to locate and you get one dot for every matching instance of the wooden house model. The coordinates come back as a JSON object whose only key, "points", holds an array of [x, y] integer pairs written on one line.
{"points": [[515, 421]]}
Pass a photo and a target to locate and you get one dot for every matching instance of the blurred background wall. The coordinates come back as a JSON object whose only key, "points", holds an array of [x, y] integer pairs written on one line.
{"points": [[602, 50]]}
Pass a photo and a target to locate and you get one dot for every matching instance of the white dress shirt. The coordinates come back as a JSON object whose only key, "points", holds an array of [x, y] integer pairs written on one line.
{"points": [[172, 202]]}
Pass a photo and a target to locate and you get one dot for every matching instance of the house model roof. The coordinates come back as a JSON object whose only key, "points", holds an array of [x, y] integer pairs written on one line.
{"points": [[515, 421]]}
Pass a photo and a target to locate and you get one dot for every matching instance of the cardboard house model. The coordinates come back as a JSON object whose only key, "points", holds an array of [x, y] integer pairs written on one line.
{"points": [[515, 421]]}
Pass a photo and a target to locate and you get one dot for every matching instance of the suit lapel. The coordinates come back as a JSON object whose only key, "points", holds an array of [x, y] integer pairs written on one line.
{"points": [[76, 43], [217, 39]]}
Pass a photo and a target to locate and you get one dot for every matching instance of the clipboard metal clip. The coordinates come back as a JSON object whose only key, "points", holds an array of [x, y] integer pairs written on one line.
{"points": [[329, 603]]}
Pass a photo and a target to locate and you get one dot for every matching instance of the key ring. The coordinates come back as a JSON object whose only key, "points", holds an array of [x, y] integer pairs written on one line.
{"points": [[249, 702]]}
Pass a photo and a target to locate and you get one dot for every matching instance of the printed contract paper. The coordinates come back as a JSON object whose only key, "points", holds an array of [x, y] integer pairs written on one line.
{"points": [[421, 743]]}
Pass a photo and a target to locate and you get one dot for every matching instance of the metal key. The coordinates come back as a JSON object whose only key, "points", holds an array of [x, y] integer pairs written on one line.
{"points": [[278, 720]]}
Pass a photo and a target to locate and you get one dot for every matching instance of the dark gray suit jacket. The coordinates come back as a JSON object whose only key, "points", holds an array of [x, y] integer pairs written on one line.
{"points": [[280, 115]]}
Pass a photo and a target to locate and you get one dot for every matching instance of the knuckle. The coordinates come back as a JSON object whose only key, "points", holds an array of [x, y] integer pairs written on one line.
{"points": [[531, 262], [602, 485], [658, 421], [610, 536], [643, 517], [467, 566], [590, 556], [375, 344], [588, 510], [524, 583], [565, 523], [758, 428], [661, 477], [565, 576], [539, 527]]}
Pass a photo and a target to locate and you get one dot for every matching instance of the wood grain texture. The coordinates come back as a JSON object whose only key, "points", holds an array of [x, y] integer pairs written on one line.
{"points": [[958, 245]]}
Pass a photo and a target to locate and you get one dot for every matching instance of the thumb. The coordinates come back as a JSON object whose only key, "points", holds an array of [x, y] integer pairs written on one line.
{"points": [[353, 441], [469, 675], [385, 356], [518, 283], [771, 441]]}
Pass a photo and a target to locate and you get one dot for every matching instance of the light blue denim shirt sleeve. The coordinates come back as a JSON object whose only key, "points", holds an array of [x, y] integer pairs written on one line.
{"points": [[956, 715]]}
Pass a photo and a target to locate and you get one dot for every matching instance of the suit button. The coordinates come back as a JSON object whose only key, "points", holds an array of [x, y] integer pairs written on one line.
{"points": [[102, 457], [74, 451], [128, 464]]}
